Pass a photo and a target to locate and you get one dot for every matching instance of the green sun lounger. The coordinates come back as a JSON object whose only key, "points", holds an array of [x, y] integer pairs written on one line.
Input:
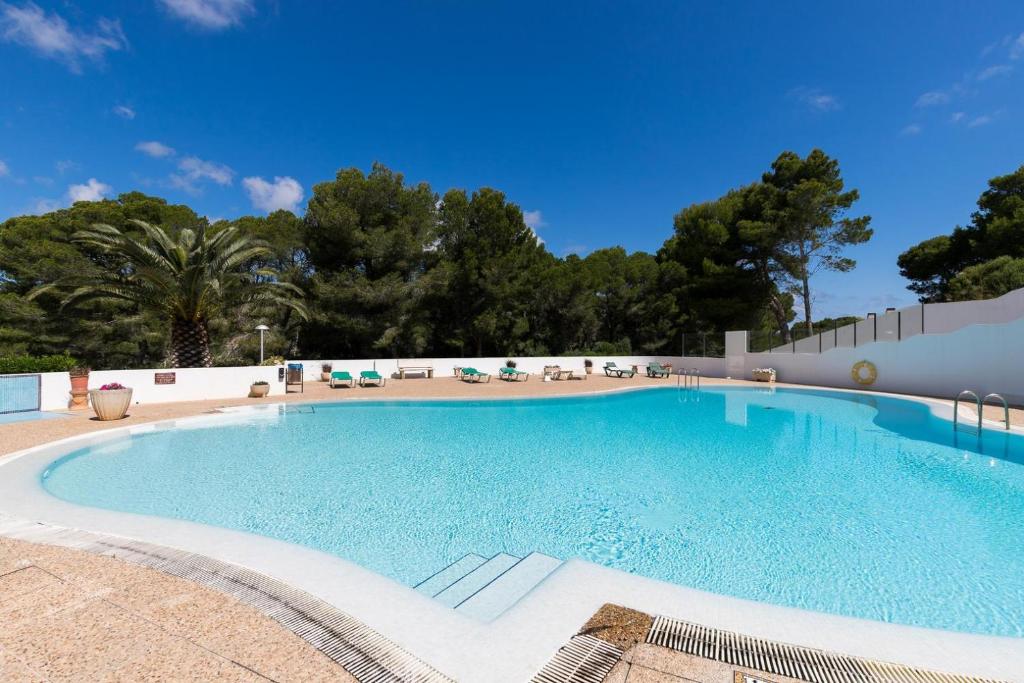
{"points": [[656, 369], [472, 374], [340, 377], [371, 377], [513, 374], [611, 369]]}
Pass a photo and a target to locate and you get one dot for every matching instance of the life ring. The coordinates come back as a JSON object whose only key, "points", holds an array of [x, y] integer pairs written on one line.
{"points": [[864, 373]]}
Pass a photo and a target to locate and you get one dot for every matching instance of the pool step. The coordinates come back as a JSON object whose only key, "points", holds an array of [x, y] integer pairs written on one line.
{"points": [[449, 575], [484, 589], [493, 599], [476, 579]]}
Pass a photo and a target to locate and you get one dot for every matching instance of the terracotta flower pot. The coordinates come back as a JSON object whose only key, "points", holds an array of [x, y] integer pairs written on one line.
{"points": [[111, 404], [325, 377], [79, 389], [259, 390]]}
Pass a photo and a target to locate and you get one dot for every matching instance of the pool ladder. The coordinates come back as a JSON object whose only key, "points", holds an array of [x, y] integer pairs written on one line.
{"points": [[979, 404], [688, 378]]}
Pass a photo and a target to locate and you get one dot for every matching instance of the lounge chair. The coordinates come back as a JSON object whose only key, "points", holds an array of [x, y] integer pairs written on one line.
{"points": [[656, 369], [341, 376], [474, 375], [513, 374], [371, 377], [610, 368]]}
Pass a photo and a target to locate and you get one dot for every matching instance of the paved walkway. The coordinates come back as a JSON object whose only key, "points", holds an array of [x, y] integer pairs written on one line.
{"points": [[73, 616]]}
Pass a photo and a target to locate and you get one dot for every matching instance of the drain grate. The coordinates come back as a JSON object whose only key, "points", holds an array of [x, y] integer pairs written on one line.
{"points": [[360, 650], [585, 659], [816, 666]]}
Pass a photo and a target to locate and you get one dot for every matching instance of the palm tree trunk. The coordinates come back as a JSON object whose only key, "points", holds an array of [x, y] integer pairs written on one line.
{"points": [[190, 344]]}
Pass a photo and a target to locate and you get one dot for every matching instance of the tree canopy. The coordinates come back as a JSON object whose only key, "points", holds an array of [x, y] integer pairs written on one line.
{"points": [[387, 268], [979, 260]]}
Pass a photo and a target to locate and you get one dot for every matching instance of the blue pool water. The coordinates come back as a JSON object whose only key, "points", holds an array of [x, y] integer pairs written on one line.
{"points": [[845, 503]]}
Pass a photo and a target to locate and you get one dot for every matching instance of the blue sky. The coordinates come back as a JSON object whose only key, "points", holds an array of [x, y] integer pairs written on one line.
{"points": [[601, 119]]}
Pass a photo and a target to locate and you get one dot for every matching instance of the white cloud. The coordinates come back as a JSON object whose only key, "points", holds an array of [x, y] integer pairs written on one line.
{"points": [[213, 15], [124, 112], [912, 129], [157, 150], [5, 170], [930, 99], [42, 206], [92, 191], [64, 166], [534, 219], [993, 71], [958, 116], [1017, 47], [816, 99], [982, 120], [50, 35], [283, 193], [195, 170]]}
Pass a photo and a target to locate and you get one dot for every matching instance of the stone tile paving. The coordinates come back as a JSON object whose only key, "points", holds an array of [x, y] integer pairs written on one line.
{"points": [[72, 616]]}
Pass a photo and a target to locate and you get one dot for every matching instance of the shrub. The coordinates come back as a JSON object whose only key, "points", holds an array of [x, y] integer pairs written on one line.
{"points": [[12, 365], [113, 386], [260, 383], [510, 363], [326, 367], [274, 360]]}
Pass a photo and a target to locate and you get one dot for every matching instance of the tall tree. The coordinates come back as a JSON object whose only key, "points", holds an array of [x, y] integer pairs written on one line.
{"points": [[492, 261], [809, 206], [187, 280], [996, 230], [369, 241], [37, 250]]}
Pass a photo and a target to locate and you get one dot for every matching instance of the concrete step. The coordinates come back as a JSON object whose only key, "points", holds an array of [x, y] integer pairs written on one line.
{"points": [[491, 600], [476, 579], [450, 574]]}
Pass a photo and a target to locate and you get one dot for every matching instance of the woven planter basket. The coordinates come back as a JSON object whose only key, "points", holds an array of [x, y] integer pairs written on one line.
{"points": [[111, 404]]}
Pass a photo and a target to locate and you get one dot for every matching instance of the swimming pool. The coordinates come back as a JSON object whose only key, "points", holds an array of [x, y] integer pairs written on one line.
{"points": [[847, 503]]}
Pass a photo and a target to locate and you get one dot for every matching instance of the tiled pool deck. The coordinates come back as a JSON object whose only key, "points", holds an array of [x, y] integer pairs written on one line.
{"points": [[69, 615]]}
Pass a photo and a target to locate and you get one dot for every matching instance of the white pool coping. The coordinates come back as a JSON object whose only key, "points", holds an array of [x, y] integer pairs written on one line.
{"points": [[517, 644]]}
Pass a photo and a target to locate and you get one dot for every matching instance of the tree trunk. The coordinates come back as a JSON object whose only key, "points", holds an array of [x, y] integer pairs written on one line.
{"points": [[805, 282], [190, 344], [779, 312]]}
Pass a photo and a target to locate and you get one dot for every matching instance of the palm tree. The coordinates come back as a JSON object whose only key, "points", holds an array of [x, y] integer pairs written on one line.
{"points": [[188, 280]]}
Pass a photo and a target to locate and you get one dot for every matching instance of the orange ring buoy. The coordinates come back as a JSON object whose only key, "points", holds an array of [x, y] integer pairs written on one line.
{"points": [[864, 373]]}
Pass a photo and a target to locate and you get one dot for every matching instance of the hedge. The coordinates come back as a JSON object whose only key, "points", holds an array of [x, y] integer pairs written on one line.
{"points": [[12, 365]]}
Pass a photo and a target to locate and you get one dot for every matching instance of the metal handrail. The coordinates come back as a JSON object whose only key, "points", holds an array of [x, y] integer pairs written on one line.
{"points": [[1006, 407], [688, 378], [956, 407]]}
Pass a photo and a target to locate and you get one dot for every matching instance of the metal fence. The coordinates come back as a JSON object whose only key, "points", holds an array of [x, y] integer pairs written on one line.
{"points": [[703, 344], [20, 393], [892, 326]]}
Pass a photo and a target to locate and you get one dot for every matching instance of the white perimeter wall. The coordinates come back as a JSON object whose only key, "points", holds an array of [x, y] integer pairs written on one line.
{"points": [[982, 358], [195, 384]]}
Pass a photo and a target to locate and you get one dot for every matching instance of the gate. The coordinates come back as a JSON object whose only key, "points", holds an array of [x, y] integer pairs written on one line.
{"points": [[20, 393]]}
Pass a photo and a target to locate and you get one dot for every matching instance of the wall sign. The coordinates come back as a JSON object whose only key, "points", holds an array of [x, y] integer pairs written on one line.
{"points": [[163, 378]]}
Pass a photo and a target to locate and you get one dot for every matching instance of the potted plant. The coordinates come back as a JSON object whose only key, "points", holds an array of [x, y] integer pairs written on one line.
{"points": [[510, 363], [325, 372], [588, 365], [259, 389], [111, 401], [79, 388], [764, 375]]}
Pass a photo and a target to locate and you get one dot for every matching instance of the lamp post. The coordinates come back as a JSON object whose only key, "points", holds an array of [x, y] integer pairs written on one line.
{"points": [[262, 329]]}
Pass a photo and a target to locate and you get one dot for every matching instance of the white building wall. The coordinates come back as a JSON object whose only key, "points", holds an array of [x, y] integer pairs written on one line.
{"points": [[196, 384], [982, 358]]}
